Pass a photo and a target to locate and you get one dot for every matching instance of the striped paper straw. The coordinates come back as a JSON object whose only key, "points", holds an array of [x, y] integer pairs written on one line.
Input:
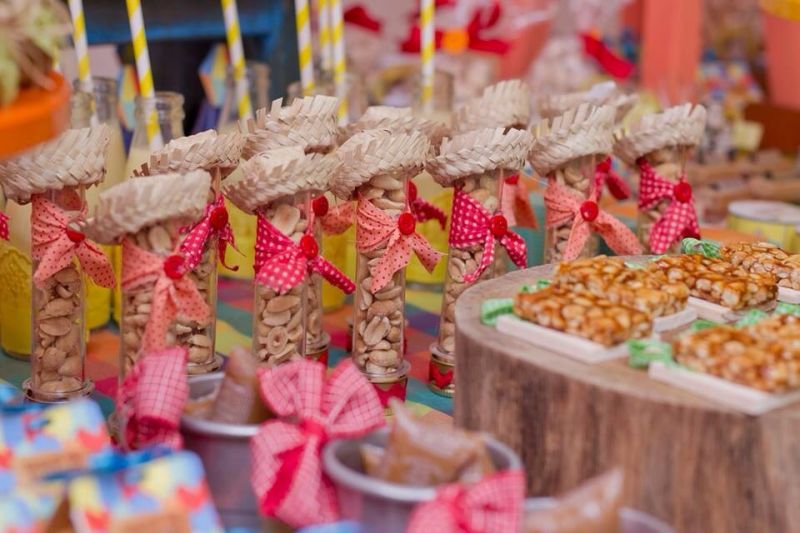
{"points": [[339, 64], [234, 36], [427, 49], [324, 23], [82, 50], [143, 71], [302, 18]]}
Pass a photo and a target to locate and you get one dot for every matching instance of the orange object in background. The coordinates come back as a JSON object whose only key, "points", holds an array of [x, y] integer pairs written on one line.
{"points": [[36, 116], [782, 42], [526, 44]]}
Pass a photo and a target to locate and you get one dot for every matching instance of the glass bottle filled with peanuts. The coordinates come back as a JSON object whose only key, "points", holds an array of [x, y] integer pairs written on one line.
{"points": [[670, 164]]}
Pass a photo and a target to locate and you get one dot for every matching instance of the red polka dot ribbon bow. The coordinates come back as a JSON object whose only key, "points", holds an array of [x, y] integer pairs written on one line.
{"points": [[54, 244], [680, 218], [472, 225], [492, 505], [376, 230], [173, 293], [564, 205], [214, 225], [604, 175], [3, 226], [516, 205], [151, 399], [337, 219], [281, 264], [422, 209], [287, 475]]}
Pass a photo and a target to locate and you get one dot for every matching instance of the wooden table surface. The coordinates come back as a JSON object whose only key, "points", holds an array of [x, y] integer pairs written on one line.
{"points": [[689, 461]]}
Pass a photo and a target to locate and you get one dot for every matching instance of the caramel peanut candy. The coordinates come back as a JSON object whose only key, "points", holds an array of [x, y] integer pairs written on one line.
{"points": [[718, 281], [609, 277], [765, 258], [583, 314]]}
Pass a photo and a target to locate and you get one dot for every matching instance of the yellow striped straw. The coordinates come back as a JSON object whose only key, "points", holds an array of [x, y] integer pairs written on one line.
{"points": [[82, 49], [234, 36], [324, 23], [304, 54], [339, 63], [143, 70], [427, 50]]}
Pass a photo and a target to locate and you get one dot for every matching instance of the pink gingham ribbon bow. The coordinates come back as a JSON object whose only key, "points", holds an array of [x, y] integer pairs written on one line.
{"points": [[604, 175], [173, 292], [492, 505], [564, 205], [151, 399], [214, 224], [422, 209], [281, 264], [54, 244], [4, 226], [287, 473], [375, 227], [680, 218], [472, 225]]}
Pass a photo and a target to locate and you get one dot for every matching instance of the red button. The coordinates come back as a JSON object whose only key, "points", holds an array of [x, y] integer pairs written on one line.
{"points": [[513, 180], [412, 192], [589, 210], [683, 192], [320, 206], [218, 218], [173, 266], [406, 223], [75, 235], [309, 246], [498, 226]]}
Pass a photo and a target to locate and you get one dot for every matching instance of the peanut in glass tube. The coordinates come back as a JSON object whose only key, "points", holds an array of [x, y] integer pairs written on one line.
{"points": [[670, 164]]}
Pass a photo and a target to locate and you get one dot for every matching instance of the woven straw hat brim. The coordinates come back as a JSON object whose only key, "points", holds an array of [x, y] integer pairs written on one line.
{"points": [[397, 120], [503, 105], [76, 157], [681, 125], [581, 131], [376, 152], [203, 151], [554, 105], [479, 151], [135, 204], [309, 122], [280, 173]]}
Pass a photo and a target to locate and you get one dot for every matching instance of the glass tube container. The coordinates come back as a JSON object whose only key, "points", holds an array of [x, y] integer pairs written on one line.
{"points": [[670, 164], [316, 339], [58, 342], [257, 77]]}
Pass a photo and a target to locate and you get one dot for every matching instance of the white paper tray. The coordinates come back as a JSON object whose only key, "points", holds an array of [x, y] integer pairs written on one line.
{"points": [[717, 313], [577, 348], [732, 395], [675, 321], [790, 296]]}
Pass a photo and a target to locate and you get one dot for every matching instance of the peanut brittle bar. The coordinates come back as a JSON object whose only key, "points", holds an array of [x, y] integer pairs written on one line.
{"points": [[609, 277], [765, 257], [718, 281], [583, 314]]}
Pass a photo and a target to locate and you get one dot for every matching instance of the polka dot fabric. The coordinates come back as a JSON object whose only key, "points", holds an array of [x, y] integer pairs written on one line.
{"points": [[208, 228], [680, 218], [3, 226], [54, 245], [339, 218]]}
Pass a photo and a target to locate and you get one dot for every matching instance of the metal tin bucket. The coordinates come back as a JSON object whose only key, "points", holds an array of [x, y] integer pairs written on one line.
{"points": [[225, 452], [380, 505], [767, 220], [630, 520]]}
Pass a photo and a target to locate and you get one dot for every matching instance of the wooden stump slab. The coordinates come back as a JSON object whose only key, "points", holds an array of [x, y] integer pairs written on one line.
{"points": [[689, 461]]}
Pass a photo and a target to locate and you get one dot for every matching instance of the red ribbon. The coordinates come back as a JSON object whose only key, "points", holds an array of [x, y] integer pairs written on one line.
{"points": [[492, 505], [680, 218], [152, 397], [376, 229], [483, 19], [172, 294], [4, 226], [604, 175], [440, 379], [213, 225], [516, 204], [396, 390], [281, 264], [54, 245], [564, 205], [422, 209], [472, 225], [339, 218], [359, 16], [287, 476], [608, 60]]}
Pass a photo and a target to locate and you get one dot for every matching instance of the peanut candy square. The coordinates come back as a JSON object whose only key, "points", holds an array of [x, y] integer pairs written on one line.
{"points": [[765, 257]]}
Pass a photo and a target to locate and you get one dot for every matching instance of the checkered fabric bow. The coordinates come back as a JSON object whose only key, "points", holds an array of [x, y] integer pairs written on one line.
{"points": [[281, 264], [472, 225], [151, 399], [564, 205], [54, 245], [173, 293], [516, 205], [339, 218], [492, 505], [287, 473], [604, 175], [422, 209], [376, 229], [213, 226], [3, 226], [680, 218]]}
